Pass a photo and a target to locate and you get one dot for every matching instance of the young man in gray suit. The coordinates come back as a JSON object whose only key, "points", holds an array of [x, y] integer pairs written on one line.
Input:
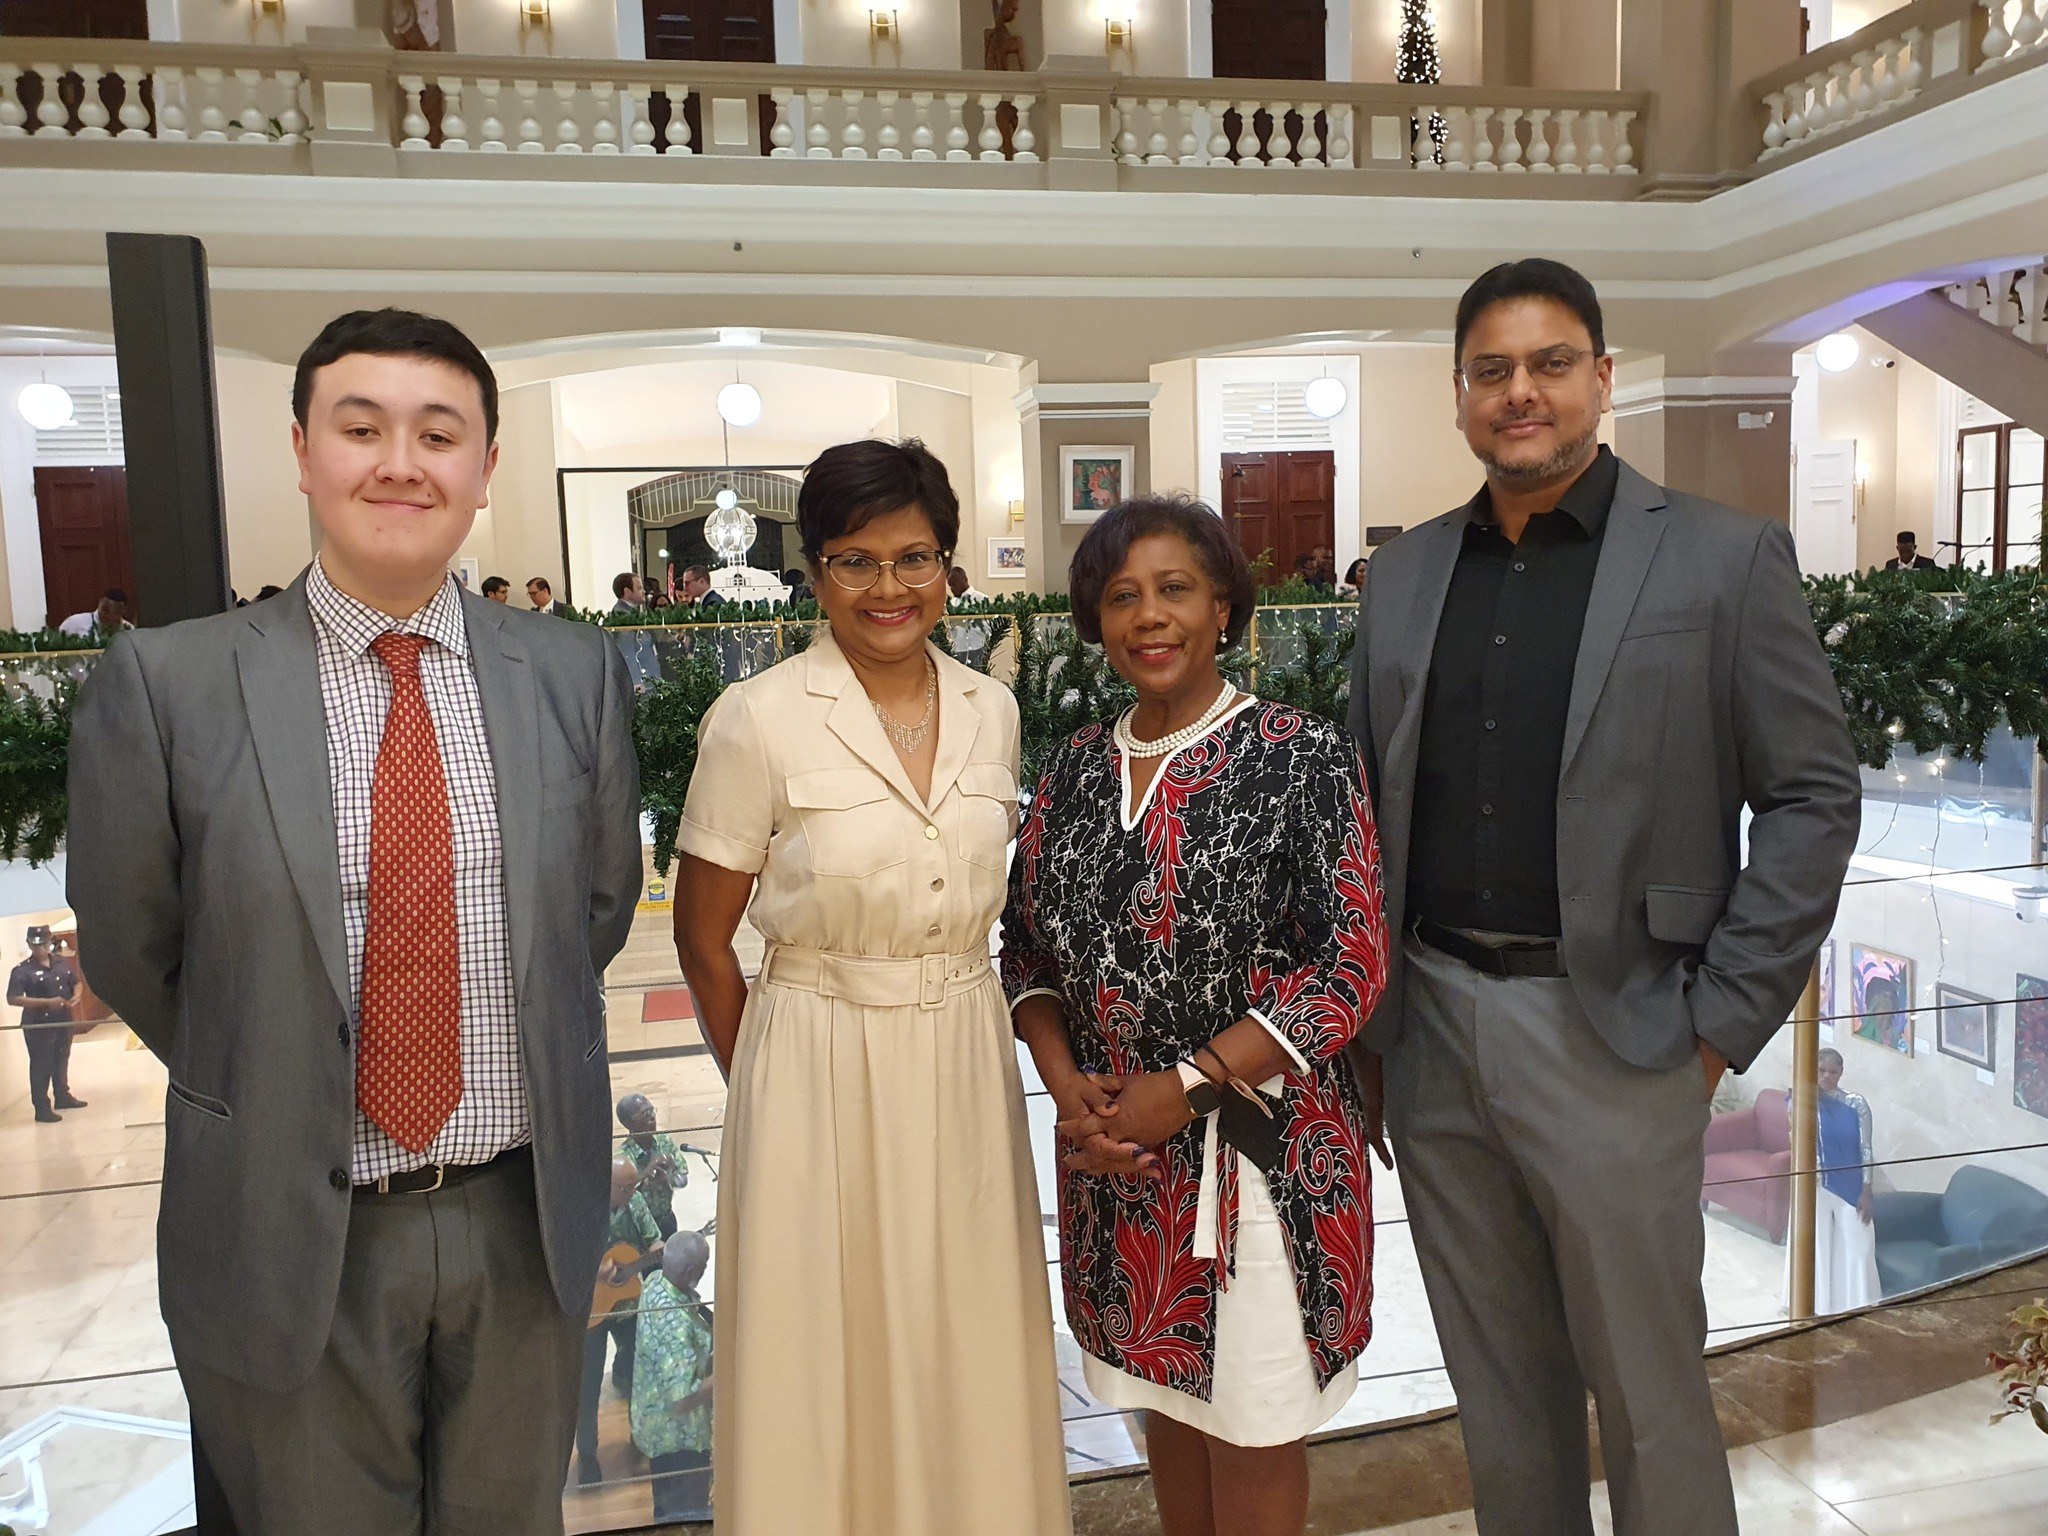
{"points": [[1566, 692], [352, 863]]}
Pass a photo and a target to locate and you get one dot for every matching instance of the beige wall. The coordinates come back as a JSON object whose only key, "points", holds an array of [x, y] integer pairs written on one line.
{"points": [[1376, 33], [944, 421], [1574, 44], [525, 520], [1413, 461], [1175, 462], [270, 536], [238, 21], [576, 29], [998, 477], [835, 32], [1160, 46], [1894, 415]]}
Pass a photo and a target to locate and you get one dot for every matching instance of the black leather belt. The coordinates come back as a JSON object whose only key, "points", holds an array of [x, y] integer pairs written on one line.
{"points": [[1519, 957], [435, 1176]]}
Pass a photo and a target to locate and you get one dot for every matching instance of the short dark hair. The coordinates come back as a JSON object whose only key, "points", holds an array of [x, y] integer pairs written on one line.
{"points": [[395, 333], [697, 570], [1825, 1052], [541, 582], [1107, 544], [496, 584], [114, 595], [1533, 277], [1905, 536], [622, 581], [847, 487]]}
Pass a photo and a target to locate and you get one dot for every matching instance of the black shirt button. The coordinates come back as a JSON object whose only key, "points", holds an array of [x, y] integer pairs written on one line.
{"points": [[338, 1178], [1520, 566], [1500, 639], [1486, 895], [1491, 724], [1486, 810]]}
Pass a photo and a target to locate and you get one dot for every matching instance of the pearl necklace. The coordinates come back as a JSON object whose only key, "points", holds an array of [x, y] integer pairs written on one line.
{"points": [[1127, 739], [911, 737]]}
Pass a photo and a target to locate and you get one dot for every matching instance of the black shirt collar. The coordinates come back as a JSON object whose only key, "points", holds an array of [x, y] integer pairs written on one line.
{"points": [[1587, 500]]}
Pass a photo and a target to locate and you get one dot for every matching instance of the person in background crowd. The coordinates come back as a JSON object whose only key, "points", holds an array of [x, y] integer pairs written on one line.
{"points": [[1323, 570], [878, 1223], [1908, 557], [1844, 1233], [1192, 938], [497, 589], [696, 587], [1354, 578], [630, 594], [267, 591], [632, 1248], [368, 949], [109, 617], [45, 988], [962, 588], [542, 595], [671, 1399], [654, 1154], [1584, 956], [799, 586]]}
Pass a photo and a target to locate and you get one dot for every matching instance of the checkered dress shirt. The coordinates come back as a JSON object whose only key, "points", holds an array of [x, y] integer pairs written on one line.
{"points": [[355, 693]]}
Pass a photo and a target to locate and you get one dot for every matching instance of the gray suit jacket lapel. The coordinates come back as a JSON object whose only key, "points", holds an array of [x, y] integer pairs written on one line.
{"points": [[511, 704], [1445, 538], [280, 676], [1635, 525]]}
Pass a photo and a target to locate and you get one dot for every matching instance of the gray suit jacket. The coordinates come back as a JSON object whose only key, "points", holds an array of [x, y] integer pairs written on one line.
{"points": [[1700, 688], [204, 872]]}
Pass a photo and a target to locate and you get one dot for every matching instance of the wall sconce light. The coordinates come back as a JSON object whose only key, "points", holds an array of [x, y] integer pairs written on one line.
{"points": [[1862, 483], [534, 13], [1119, 23], [268, 7], [1016, 512], [883, 27]]}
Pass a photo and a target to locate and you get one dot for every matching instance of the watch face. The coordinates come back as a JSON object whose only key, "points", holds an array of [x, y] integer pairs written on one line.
{"points": [[1203, 1098]]}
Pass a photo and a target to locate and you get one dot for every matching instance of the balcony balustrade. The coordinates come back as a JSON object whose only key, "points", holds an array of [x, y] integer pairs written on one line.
{"points": [[310, 109]]}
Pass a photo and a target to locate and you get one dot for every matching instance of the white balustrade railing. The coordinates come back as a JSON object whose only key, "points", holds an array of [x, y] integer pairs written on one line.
{"points": [[1315, 132], [2015, 299], [249, 99], [1891, 64]]}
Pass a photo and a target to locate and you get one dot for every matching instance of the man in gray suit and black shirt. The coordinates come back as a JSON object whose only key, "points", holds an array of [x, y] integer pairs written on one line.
{"points": [[1566, 692], [352, 863]]}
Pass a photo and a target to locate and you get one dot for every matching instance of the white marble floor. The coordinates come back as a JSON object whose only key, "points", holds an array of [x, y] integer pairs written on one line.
{"points": [[1934, 1466]]}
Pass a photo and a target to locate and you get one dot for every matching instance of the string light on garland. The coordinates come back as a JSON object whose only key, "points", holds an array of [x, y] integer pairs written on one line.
{"points": [[1417, 62]]}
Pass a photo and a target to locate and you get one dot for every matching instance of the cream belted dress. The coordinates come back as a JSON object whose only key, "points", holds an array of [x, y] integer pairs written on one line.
{"points": [[884, 1347]]}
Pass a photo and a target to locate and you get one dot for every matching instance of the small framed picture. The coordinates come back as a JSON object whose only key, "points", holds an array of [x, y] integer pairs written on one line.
{"points": [[1964, 1027], [1094, 478], [469, 574], [1006, 557], [1881, 998]]}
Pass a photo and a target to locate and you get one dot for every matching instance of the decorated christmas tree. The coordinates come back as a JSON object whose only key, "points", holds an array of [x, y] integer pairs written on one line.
{"points": [[1419, 63]]}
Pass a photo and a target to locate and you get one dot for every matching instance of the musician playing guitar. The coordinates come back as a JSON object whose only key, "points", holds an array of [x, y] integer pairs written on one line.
{"points": [[633, 1248], [657, 1157]]}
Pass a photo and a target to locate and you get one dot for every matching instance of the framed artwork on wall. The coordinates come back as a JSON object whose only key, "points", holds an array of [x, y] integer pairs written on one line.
{"points": [[2030, 1045], [1094, 478], [1965, 1027], [1881, 997], [1006, 557]]}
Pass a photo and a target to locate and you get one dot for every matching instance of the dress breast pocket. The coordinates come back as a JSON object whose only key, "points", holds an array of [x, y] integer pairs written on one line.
{"points": [[846, 824], [988, 813]]}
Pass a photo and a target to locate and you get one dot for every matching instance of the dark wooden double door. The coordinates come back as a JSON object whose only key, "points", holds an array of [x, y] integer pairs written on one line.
{"points": [[98, 19], [725, 31], [1269, 40], [82, 514], [1281, 504]]}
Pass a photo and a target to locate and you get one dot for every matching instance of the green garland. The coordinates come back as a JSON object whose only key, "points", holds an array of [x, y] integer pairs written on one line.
{"points": [[1934, 659]]}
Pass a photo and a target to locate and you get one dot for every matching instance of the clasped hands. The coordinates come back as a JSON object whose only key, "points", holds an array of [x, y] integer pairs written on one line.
{"points": [[1111, 1123]]}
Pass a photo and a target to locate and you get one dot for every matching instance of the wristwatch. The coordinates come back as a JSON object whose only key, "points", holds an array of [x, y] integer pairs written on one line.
{"points": [[1204, 1098]]}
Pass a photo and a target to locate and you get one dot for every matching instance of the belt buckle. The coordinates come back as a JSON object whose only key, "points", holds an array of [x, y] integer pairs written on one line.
{"points": [[932, 982]]}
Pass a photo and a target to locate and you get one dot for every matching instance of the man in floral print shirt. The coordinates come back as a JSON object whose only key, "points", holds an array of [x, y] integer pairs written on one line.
{"points": [[672, 1382]]}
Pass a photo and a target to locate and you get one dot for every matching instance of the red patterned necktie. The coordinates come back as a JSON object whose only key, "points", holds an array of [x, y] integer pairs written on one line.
{"points": [[409, 1051]]}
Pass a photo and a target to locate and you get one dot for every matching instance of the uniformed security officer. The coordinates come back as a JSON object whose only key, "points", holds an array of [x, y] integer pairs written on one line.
{"points": [[45, 989]]}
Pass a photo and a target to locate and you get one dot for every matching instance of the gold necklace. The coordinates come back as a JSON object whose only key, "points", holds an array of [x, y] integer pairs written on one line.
{"points": [[910, 737]]}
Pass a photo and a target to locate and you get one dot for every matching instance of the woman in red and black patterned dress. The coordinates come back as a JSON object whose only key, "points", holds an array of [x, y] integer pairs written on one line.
{"points": [[1193, 938]]}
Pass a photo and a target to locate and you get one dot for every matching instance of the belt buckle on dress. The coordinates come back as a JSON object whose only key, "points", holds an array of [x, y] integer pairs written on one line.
{"points": [[932, 983]]}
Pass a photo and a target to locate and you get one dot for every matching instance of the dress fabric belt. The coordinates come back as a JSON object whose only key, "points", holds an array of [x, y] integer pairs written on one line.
{"points": [[876, 982]]}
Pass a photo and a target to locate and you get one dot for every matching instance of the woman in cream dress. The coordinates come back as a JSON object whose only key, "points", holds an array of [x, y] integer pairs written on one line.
{"points": [[883, 1326]]}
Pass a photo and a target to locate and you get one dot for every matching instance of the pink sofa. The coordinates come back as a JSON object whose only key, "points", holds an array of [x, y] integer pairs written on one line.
{"points": [[1749, 1163]]}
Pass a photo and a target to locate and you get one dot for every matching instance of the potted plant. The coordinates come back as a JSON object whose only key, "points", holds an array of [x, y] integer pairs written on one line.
{"points": [[2023, 1371]]}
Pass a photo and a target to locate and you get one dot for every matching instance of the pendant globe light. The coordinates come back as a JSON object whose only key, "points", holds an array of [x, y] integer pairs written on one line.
{"points": [[46, 406], [739, 405], [1325, 397]]}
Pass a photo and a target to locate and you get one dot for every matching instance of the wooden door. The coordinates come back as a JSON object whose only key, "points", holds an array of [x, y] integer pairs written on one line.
{"points": [[75, 18], [736, 31], [1281, 504], [83, 516], [1267, 39]]}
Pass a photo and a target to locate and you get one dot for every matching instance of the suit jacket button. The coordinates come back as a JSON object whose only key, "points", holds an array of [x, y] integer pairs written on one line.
{"points": [[338, 1177]]}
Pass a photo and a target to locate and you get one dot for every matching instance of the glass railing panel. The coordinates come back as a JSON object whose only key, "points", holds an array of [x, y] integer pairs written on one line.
{"points": [[105, 1457]]}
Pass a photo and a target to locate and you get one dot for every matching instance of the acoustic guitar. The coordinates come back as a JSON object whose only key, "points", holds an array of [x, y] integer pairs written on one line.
{"points": [[631, 1264]]}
